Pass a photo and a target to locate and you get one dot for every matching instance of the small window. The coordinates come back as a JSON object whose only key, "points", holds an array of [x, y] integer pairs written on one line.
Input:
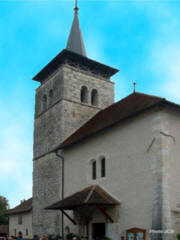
{"points": [[94, 170], [19, 220], [51, 96], [26, 232], [94, 97], [103, 167], [44, 102], [84, 94]]}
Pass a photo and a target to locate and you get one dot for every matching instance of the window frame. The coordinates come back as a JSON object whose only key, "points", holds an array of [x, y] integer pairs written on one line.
{"points": [[103, 167], [84, 95], [94, 170], [20, 220], [44, 98], [94, 97], [51, 95]]}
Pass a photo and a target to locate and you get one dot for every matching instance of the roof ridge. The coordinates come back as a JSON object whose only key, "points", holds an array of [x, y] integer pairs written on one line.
{"points": [[149, 95], [79, 191], [126, 107], [21, 203], [101, 189], [24, 206], [90, 193], [77, 199]]}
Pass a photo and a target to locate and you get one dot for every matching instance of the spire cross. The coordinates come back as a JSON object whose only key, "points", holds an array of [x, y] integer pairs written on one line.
{"points": [[134, 87], [76, 7]]}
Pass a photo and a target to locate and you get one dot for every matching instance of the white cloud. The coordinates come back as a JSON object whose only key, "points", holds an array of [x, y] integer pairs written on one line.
{"points": [[163, 54], [165, 59]]}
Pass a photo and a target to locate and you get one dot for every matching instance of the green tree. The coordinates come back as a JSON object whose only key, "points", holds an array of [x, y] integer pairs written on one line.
{"points": [[178, 236], [4, 206]]}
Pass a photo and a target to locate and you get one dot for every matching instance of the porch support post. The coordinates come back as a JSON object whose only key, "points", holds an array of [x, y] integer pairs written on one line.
{"points": [[80, 229], [87, 229], [72, 220], [105, 213]]}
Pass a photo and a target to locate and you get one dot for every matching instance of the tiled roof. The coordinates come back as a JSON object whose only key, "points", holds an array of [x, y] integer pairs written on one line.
{"points": [[74, 59], [25, 206], [117, 112], [93, 195]]}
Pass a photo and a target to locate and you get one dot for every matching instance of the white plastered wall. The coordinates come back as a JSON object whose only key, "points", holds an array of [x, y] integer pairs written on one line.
{"points": [[26, 224], [129, 176], [173, 134]]}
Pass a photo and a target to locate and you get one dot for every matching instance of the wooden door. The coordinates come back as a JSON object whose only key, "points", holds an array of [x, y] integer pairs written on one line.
{"points": [[98, 230]]}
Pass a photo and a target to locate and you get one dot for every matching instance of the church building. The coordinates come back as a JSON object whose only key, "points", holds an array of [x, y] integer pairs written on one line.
{"points": [[102, 168]]}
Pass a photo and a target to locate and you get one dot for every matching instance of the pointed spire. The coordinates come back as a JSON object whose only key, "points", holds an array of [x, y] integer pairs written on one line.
{"points": [[75, 41], [76, 9]]}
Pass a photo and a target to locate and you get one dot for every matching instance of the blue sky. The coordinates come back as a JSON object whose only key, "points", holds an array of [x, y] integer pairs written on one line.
{"points": [[141, 38]]}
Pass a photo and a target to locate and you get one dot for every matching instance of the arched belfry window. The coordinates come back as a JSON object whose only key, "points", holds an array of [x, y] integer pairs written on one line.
{"points": [[50, 96], [84, 94], [94, 97], [44, 102]]}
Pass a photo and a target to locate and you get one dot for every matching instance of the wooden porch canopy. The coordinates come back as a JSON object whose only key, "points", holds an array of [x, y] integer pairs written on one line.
{"points": [[93, 195], [90, 196]]}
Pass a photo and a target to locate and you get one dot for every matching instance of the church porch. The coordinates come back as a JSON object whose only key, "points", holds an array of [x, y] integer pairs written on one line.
{"points": [[93, 211]]}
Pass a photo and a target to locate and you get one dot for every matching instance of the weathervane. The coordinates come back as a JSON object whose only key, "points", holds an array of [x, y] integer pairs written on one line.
{"points": [[76, 7], [134, 87]]}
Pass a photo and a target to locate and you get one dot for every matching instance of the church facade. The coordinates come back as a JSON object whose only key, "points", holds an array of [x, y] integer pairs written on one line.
{"points": [[102, 168]]}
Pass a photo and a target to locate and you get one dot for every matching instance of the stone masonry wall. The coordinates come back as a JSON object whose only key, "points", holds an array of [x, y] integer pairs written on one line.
{"points": [[74, 80], [46, 190]]}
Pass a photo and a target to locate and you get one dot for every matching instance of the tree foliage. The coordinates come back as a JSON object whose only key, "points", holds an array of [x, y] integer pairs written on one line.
{"points": [[178, 236], [4, 206]]}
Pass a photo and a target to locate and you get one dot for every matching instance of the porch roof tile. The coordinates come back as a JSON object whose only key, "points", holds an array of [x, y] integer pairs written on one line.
{"points": [[93, 195]]}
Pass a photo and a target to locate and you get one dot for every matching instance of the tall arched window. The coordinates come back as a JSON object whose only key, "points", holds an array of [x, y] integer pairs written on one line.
{"points": [[50, 96], [103, 167], [27, 233], [84, 94], [20, 220], [44, 102], [94, 97], [94, 170]]}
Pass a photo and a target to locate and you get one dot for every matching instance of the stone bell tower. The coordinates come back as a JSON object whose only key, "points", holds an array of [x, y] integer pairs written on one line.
{"points": [[72, 89]]}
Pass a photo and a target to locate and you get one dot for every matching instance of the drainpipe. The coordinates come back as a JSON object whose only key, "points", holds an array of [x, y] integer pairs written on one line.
{"points": [[62, 190]]}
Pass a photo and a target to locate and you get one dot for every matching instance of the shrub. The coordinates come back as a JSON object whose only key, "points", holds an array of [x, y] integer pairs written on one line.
{"points": [[105, 238], [70, 236], [178, 236], [50, 237]]}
